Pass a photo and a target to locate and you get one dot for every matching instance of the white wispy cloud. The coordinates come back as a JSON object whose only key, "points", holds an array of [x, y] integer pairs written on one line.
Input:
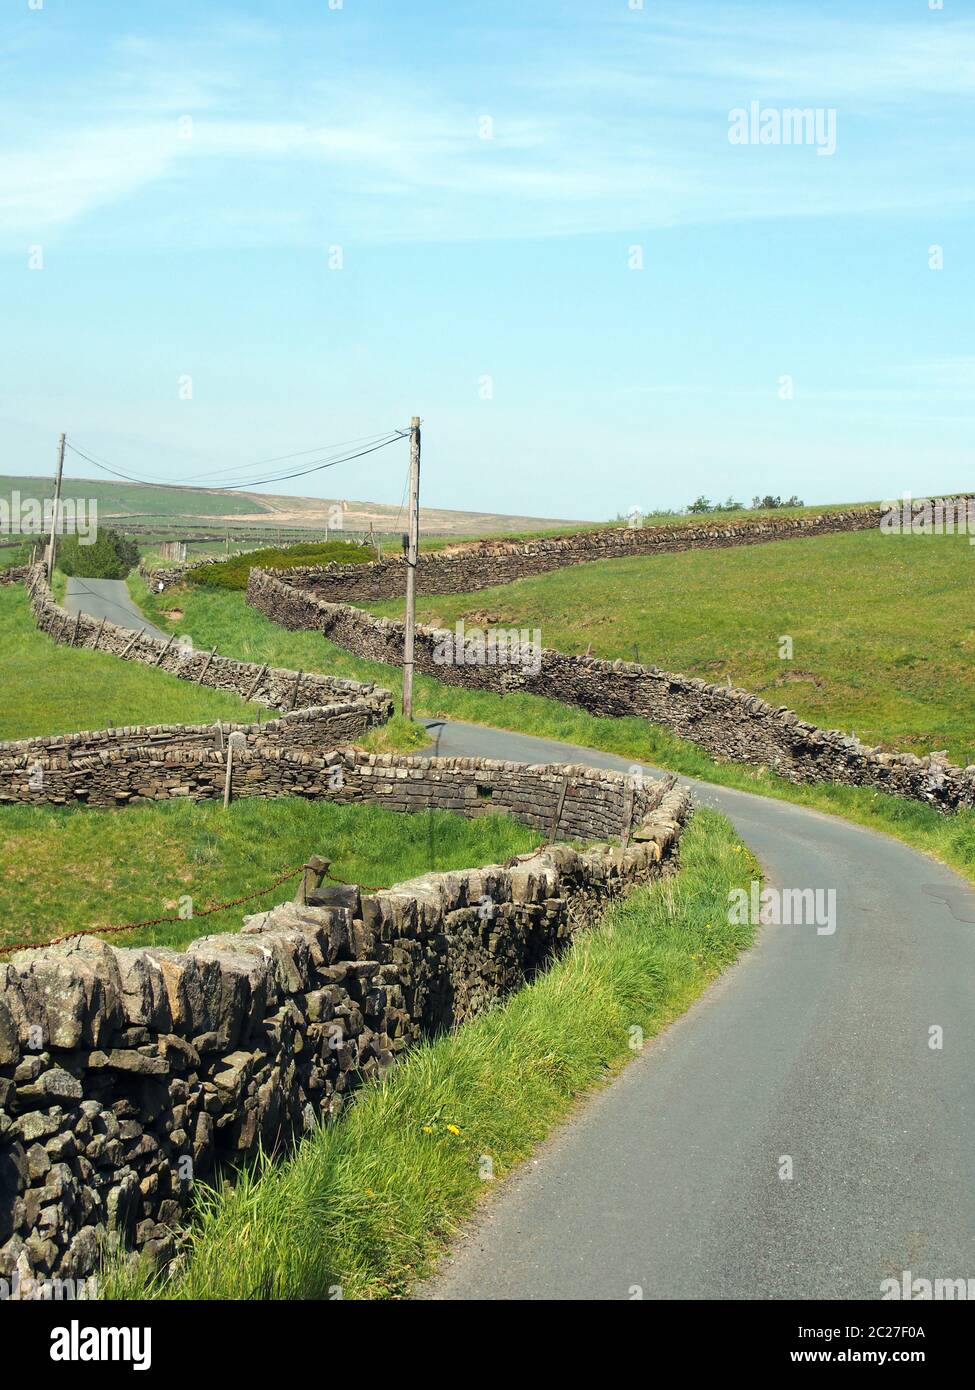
{"points": [[633, 136]]}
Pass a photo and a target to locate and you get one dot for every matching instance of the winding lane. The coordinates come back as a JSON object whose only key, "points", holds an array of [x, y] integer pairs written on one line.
{"points": [[815, 1047], [110, 599]]}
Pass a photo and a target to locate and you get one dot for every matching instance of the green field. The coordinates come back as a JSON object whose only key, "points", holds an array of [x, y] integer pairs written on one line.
{"points": [[225, 618], [367, 1205], [52, 689], [145, 500], [78, 869], [882, 629]]}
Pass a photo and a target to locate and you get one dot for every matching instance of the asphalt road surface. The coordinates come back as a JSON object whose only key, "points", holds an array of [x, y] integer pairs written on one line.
{"points": [[814, 1047], [107, 598]]}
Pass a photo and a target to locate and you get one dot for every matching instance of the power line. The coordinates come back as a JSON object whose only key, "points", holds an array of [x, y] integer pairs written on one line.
{"points": [[319, 465], [279, 458], [381, 442]]}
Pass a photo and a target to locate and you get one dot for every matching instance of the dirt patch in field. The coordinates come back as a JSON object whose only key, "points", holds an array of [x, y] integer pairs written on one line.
{"points": [[481, 617], [798, 678]]}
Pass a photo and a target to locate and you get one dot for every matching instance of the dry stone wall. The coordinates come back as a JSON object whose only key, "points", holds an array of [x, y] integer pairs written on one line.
{"points": [[130, 766], [134, 774], [484, 564], [126, 1075], [277, 689], [730, 724], [112, 767], [476, 565], [165, 577]]}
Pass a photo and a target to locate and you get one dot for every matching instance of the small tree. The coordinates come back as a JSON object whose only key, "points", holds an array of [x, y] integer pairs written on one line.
{"points": [[769, 503], [109, 556]]}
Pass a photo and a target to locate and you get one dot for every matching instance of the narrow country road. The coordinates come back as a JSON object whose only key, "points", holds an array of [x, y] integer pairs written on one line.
{"points": [[107, 598], [666, 1183]]}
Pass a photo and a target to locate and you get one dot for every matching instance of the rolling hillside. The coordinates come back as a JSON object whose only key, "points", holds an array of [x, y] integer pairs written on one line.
{"points": [[143, 504]]}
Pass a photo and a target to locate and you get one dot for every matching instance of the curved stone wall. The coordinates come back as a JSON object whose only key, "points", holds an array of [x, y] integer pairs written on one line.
{"points": [[115, 766], [128, 1074], [466, 567], [277, 689], [730, 724]]}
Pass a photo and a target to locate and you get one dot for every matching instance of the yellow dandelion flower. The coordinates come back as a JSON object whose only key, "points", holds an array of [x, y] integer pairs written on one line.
{"points": [[452, 1129]]}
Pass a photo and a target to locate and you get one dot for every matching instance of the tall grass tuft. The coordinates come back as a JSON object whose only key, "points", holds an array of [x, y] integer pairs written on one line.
{"points": [[367, 1203]]}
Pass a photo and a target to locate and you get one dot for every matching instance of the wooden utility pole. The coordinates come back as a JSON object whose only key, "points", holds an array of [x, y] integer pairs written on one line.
{"points": [[57, 509], [411, 558]]}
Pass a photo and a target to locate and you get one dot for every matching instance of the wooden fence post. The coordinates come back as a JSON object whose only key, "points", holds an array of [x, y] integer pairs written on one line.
{"points": [[165, 650], [315, 870], [206, 667], [257, 681]]}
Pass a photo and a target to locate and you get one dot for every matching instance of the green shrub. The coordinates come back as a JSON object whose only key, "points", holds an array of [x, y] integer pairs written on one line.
{"points": [[233, 573], [110, 556]]}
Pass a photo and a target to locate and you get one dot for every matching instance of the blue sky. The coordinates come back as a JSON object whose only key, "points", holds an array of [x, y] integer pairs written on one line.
{"points": [[486, 170]]}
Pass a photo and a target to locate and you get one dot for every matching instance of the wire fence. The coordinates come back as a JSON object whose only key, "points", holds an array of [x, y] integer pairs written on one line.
{"points": [[202, 912]]}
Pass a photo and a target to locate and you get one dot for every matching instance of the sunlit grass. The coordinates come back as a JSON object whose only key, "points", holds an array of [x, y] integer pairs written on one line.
{"points": [[49, 688], [882, 629], [367, 1203], [79, 868], [228, 619]]}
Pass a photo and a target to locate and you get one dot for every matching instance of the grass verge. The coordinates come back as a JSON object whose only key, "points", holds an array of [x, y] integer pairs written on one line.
{"points": [[366, 1204]]}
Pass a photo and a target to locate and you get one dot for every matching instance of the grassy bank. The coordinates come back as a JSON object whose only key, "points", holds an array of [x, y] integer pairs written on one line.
{"points": [[74, 869], [881, 627], [226, 618], [369, 1202], [52, 689]]}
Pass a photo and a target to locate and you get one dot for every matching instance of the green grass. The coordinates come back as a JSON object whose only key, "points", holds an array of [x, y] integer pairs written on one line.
{"points": [[397, 735], [227, 619], [882, 627], [78, 869], [13, 555], [233, 572], [134, 498], [367, 1203], [52, 689]]}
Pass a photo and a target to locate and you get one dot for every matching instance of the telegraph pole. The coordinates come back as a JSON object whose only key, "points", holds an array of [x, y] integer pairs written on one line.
{"points": [[411, 559], [57, 509]]}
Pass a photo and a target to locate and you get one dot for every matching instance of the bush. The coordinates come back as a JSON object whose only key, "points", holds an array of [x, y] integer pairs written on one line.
{"points": [[233, 573], [110, 556], [769, 503], [703, 505]]}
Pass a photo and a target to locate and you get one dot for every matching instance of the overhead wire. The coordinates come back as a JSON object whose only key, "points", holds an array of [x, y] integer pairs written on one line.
{"points": [[379, 442]]}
